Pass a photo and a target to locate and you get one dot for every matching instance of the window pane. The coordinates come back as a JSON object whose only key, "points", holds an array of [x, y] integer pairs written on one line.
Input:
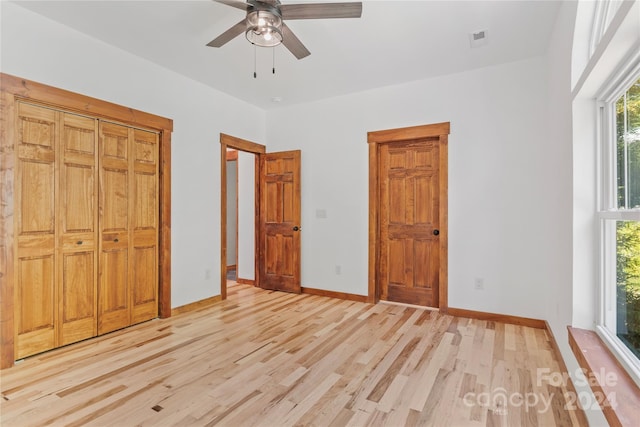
{"points": [[628, 147], [628, 284]]}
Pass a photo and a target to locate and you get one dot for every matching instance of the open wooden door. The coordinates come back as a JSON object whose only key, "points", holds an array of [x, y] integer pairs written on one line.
{"points": [[279, 266]]}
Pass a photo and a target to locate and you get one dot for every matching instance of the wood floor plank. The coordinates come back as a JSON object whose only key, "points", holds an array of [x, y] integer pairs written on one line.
{"points": [[264, 358]]}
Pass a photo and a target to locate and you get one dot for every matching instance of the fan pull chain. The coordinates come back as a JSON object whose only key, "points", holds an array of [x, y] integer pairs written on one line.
{"points": [[255, 74], [274, 61]]}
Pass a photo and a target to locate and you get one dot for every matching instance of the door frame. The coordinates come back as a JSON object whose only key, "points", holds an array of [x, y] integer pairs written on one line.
{"points": [[228, 141], [390, 136], [14, 89]]}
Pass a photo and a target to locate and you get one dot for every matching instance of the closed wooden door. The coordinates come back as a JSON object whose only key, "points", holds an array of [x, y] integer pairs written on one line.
{"points": [[128, 284], [409, 222], [78, 228], [57, 222], [144, 227], [35, 314], [115, 228], [280, 221]]}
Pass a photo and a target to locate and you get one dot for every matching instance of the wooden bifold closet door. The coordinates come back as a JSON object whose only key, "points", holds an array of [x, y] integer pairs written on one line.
{"points": [[86, 225], [128, 226], [56, 226]]}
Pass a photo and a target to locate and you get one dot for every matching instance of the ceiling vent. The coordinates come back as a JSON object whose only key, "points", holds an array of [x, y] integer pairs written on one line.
{"points": [[478, 38]]}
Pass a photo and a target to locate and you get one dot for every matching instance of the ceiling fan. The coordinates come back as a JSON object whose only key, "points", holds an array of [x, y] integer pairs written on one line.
{"points": [[264, 24]]}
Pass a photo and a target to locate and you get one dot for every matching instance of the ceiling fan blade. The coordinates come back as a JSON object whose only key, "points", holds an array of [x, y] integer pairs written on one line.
{"points": [[291, 42], [321, 10], [230, 34], [234, 3]]}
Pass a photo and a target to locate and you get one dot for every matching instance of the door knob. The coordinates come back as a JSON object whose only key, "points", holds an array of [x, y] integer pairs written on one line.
{"points": [[436, 232], [296, 228], [116, 240]]}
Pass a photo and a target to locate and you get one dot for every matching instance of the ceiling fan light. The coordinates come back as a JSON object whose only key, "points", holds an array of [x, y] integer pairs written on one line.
{"points": [[264, 28]]}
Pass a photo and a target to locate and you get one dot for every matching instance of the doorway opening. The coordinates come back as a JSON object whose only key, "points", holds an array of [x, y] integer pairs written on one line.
{"points": [[232, 215], [239, 215], [408, 223], [276, 216]]}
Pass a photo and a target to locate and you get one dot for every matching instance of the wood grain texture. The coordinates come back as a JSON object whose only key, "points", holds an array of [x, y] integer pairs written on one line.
{"points": [[263, 358], [409, 133], [334, 294], [582, 418], [504, 318], [617, 393], [7, 243], [77, 276], [391, 137], [198, 305], [242, 144], [36, 287], [373, 295], [443, 292], [164, 239], [14, 90], [232, 155], [280, 221], [409, 215]]}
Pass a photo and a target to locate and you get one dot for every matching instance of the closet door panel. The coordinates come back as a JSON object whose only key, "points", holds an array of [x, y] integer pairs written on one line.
{"points": [[78, 207], [145, 284], [146, 213], [35, 296], [37, 126], [145, 226], [78, 294], [37, 207], [114, 300], [114, 292], [115, 201], [35, 220], [78, 275]]}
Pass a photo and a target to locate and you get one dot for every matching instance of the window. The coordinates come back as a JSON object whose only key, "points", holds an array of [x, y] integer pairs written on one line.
{"points": [[619, 216]]}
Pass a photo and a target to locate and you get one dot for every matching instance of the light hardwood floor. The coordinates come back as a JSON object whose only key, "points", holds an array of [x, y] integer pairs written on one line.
{"points": [[275, 359]]}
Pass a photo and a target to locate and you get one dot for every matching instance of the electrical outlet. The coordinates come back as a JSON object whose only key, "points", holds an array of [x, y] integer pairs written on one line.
{"points": [[338, 269], [207, 274], [478, 283]]}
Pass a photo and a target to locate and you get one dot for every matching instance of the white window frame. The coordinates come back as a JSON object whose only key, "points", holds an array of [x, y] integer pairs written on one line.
{"points": [[603, 13], [608, 213]]}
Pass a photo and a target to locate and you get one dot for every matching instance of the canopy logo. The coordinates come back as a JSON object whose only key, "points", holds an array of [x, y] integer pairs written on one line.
{"points": [[550, 385]]}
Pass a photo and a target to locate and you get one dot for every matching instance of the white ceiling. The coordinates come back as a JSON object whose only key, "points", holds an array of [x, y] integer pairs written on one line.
{"points": [[393, 42]]}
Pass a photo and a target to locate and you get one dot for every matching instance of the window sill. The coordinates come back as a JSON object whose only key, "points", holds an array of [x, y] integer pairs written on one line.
{"points": [[596, 359]]}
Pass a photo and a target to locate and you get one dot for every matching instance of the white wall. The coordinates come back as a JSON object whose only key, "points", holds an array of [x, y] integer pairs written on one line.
{"points": [[504, 171], [42, 50], [246, 215], [232, 211], [562, 309], [559, 133]]}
